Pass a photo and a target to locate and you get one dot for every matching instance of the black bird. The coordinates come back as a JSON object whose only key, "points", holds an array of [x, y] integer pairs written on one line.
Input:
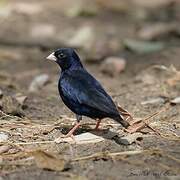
{"points": [[81, 92]]}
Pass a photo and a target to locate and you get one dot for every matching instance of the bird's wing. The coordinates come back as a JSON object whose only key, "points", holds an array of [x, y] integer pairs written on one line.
{"points": [[80, 86]]}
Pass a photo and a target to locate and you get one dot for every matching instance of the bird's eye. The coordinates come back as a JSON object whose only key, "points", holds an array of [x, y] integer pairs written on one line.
{"points": [[61, 55]]}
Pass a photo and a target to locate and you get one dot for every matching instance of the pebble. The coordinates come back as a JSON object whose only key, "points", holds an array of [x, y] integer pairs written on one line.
{"points": [[175, 100], [3, 137], [130, 138], [38, 82], [158, 100], [113, 65]]}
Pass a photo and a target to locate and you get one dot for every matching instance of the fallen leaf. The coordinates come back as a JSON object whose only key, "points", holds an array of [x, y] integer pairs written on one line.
{"points": [[20, 98], [143, 47], [45, 160], [174, 80]]}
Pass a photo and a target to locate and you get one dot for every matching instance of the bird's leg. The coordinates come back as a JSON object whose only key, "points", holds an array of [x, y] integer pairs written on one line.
{"points": [[98, 123], [70, 133]]}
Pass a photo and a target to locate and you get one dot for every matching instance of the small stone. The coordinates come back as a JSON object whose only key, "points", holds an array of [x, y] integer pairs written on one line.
{"points": [[38, 82], [3, 137], [175, 100], [130, 138], [154, 101], [113, 65]]}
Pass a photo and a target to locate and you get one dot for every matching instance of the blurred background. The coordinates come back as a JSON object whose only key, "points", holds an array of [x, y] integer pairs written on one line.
{"points": [[115, 38], [97, 29], [131, 46]]}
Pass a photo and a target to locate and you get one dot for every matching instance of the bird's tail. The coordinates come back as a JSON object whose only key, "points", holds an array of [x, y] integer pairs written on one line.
{"points": [[120, 120]]}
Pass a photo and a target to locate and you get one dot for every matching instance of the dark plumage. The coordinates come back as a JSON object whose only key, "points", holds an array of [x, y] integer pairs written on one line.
{"points": [[80, 91]]}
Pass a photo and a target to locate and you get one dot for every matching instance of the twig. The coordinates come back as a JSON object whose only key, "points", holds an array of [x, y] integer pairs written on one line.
{"points": [[155, 114], [96, 155], [35, 142], [145, 121]]}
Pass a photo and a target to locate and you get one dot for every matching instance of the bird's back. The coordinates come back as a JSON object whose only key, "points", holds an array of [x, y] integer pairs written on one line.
{"points": [[84, 95]]}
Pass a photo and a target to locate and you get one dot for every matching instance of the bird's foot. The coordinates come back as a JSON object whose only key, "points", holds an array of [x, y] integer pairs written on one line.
{"points": [[135, 127], [68, 135], [97, 125], [65, 138]]}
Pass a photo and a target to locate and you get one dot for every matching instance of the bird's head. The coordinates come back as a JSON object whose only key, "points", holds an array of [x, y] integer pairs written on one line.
{"points": [[66, 58]]}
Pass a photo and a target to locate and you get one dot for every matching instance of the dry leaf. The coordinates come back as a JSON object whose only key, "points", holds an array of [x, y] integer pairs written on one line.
{"points": [[174, 80], [20, 98], [45, 160]]}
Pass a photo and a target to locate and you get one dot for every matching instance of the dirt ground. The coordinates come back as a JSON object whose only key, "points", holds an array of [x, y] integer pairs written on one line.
{"points": [[146, 77]]}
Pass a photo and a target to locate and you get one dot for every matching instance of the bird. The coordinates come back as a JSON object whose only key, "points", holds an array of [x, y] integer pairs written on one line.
{"points": [[81, 92]]}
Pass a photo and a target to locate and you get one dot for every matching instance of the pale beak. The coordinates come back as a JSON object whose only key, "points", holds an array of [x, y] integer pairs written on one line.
{"points": [[52, 57]]}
